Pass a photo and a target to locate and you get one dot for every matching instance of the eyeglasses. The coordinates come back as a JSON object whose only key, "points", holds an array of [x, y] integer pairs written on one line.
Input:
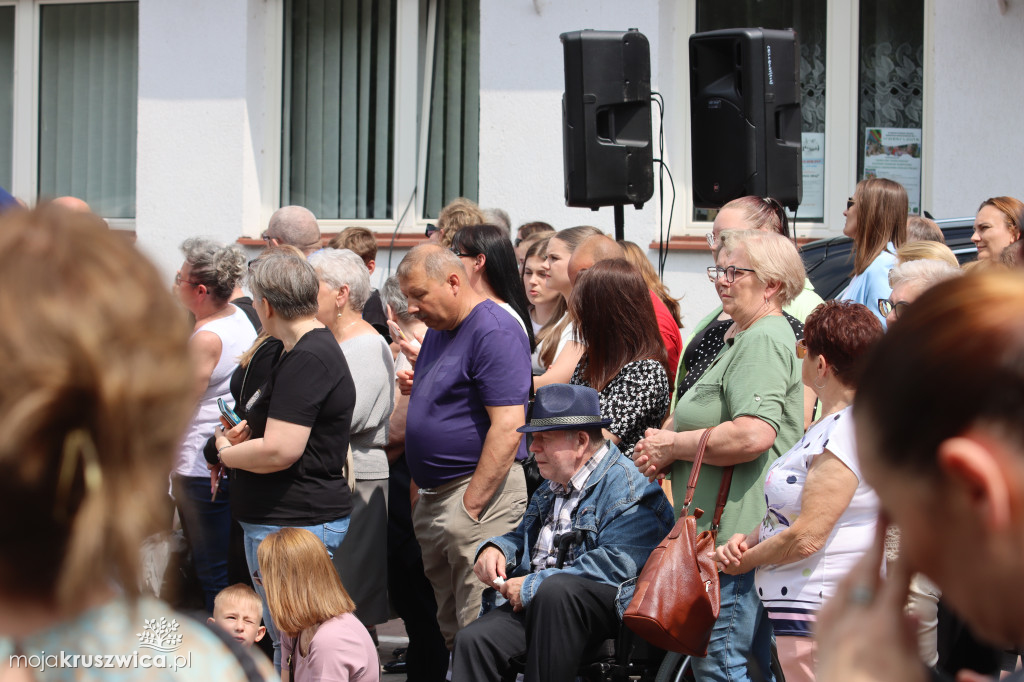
{"points": [[885, 306], [431, 229], [801, 349], [849, 203], [714, 272], [267, 238], [178, 281], [710, 236], [458, 253]]}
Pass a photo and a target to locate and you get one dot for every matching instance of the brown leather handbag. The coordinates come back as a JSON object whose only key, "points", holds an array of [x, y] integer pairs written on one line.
{"points": [[677, 595]]}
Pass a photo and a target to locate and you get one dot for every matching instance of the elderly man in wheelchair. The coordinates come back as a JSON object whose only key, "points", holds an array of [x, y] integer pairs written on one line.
{"points": [[559, 609]]}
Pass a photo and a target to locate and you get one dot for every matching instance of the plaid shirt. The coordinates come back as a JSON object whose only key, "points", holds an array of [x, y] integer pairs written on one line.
{"points": [[559, 520]]}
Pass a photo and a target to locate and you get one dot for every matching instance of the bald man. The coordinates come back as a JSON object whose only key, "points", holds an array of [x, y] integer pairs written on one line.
{"points": [[472, 380], [72, 204], [602, 247], [295, 226]]}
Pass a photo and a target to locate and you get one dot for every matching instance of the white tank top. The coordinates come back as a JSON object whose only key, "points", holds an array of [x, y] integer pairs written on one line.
{"points": [[236, 335]]}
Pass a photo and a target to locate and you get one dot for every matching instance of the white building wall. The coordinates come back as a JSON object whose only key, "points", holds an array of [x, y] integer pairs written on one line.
{"points": [[975, 89], [200, 123]]}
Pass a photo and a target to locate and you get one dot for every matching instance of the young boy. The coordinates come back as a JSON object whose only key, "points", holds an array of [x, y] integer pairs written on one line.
{"points": [[238, 610]]}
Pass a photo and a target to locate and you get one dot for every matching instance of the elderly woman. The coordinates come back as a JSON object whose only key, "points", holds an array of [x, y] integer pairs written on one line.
{"points": [[707, 338], [753, 395], [288, 456], [821, 514], [926, 250], [996, 226], [876, 221], [221, 333], [91, 413], [362, 562], [911, 279], [948, 473]]}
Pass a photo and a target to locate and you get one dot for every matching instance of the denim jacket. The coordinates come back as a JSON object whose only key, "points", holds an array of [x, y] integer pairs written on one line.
{"points": [[623, 518]]}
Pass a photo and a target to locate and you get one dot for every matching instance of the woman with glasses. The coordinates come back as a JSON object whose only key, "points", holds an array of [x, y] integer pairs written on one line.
{"points": [[220, 334], [707, 339], [752, 394], [821, 514], [490, 262], [625, 360], [876, 221], [911, 279], [287, 457]]}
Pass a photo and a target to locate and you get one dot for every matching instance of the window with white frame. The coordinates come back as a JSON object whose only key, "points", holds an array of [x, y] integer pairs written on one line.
{"points": [[870, 53], [73, 78], [351, 80]]}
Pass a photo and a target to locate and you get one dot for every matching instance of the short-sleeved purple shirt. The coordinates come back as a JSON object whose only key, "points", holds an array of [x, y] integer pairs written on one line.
{"points": [[485, 362]]}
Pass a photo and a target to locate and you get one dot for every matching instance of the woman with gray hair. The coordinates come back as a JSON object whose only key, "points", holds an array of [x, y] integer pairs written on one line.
{"points": [[287, 456], [752, 394], [362, 563], [911, 279], [220, 334]]}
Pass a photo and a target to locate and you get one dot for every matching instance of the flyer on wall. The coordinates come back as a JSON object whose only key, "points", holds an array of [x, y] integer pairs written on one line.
{"points": [[813, 205], [895, 154]]}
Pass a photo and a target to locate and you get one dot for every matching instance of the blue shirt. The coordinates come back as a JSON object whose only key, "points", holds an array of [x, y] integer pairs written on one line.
{"points": [[873, 283], [484, 362]]}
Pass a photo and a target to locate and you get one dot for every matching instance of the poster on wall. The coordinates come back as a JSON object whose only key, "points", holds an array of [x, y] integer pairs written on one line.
{"points": [[895, 154], [813, 205]]}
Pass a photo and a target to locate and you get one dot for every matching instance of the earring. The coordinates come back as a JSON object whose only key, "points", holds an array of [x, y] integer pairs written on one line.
{"points": [[820, 387]]}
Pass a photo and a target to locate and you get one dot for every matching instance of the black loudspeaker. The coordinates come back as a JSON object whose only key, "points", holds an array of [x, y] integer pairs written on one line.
{"points": [[606, 118], [745, 116]]}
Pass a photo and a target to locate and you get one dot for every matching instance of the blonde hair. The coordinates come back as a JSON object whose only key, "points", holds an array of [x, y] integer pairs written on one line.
{"points": [[460, 212], [549, 335], [95, 393], [926, 250], [303, 588], [635, 255], [241, 593], [773, 258]]}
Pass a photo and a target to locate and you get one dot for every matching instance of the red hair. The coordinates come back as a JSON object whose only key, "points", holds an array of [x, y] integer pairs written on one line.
{"points": [[842, 331]]}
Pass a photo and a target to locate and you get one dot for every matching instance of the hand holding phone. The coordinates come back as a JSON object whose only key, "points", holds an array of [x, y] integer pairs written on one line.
{"points": [[396, 331], [227, 415]]}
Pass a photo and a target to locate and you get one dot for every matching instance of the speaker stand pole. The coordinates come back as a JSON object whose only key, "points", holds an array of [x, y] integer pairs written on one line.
{"points": [[620, 223]]}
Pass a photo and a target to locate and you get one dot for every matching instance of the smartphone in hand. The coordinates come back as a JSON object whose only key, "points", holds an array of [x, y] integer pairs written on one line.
{"points": [[227, 414]]}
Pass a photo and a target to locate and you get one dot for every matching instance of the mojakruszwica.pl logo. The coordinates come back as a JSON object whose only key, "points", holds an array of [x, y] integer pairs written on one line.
{"points": [[159, 636]]}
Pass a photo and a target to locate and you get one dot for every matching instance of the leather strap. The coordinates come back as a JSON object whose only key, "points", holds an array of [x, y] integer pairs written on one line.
{"points": [[691, 485], [723, 496]]}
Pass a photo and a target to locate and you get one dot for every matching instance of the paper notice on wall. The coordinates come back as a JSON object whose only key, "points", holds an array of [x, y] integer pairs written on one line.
{"points": [[895, 154], [813, 205]]}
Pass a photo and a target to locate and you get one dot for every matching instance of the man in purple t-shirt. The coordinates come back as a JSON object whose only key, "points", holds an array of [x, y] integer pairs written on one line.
{"points": [[472, 379]]}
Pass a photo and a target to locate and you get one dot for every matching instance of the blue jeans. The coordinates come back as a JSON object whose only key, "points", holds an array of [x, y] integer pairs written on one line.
{"points": [[740, 648], [331, 534], [207, 526]]}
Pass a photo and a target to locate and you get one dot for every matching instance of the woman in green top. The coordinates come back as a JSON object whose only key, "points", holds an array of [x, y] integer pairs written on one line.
{"points": [[752, 392]]}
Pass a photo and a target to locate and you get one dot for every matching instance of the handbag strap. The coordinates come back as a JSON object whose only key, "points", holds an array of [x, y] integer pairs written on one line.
{"points": [[691, 485]]}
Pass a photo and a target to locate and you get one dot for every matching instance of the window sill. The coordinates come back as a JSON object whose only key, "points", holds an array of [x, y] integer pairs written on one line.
{"points": [[691, 243], [403, 240]]}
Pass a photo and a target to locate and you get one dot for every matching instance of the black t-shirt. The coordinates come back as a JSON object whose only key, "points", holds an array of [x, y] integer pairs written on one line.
{"points": [[373, 312], [311, 386]]}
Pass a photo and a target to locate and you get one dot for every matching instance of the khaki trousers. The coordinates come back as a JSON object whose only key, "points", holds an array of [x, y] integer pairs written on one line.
{"points": [[449, 537]]}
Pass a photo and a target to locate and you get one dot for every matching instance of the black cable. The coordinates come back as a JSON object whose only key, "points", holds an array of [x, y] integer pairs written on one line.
{"points": [[671, 212], [391, 246], [657, 98]]}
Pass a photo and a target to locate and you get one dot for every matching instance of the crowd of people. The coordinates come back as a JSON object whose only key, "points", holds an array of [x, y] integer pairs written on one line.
{"points": [[484, 446]]}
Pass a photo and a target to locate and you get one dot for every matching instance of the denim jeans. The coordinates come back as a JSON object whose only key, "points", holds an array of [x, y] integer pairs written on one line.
{"points": [[207, 526], [740, 648], [331, 534]]}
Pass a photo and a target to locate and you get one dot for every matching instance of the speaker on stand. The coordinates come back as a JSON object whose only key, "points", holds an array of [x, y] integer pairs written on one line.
{"points": [[606, 120]]}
